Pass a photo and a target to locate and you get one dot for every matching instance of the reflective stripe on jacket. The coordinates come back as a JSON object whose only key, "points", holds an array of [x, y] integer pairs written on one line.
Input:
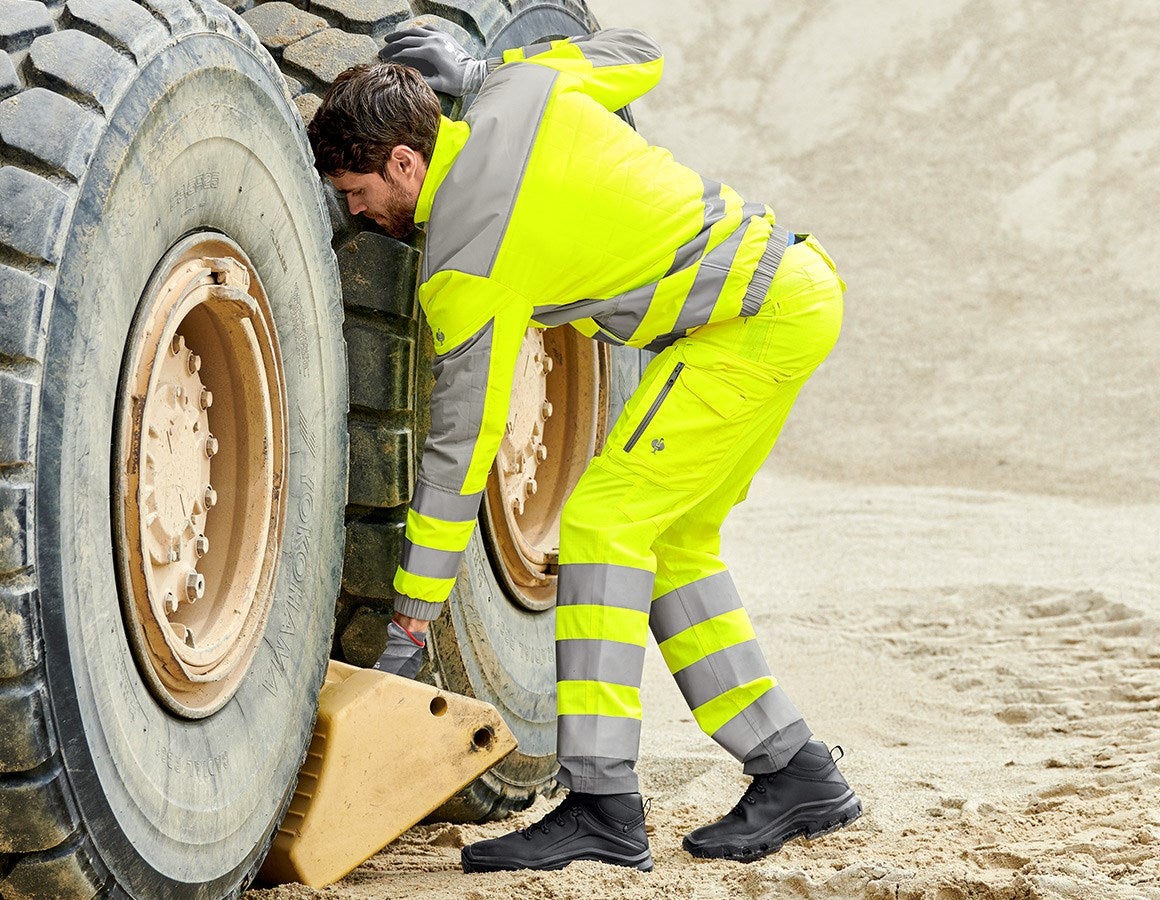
{"points": [[543, 208]]}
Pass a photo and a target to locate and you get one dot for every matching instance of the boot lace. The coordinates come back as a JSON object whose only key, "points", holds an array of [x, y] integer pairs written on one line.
{"points": [[556, 816], [759, 785]]}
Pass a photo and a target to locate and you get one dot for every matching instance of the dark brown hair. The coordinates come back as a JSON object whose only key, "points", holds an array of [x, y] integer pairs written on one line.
{"points": [[368, 111]]}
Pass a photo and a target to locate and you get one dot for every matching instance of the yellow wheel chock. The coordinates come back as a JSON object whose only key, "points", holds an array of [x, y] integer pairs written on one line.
{"points": [[387, 751]]}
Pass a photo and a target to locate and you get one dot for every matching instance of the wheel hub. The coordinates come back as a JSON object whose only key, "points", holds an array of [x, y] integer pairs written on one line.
{"points": [[556, 423], [175, 480], [196, 566]]}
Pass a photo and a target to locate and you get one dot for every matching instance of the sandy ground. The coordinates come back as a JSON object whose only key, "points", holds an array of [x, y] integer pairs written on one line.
{"points": [[953, 556]]}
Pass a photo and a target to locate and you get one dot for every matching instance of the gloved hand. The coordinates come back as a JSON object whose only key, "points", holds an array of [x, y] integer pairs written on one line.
{"points": [[445, 65], [404, 653]]}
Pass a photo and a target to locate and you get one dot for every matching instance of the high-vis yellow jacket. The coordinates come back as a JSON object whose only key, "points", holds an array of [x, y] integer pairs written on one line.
{"points": [[544, 208]]}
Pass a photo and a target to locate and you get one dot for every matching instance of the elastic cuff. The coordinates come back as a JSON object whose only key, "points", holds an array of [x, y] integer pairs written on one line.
{"points": [[417, 609], [493, 63], [776, 751]]}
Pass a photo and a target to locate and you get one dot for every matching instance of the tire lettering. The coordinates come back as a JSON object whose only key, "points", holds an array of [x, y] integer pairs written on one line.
{"points": [[207, 767], [277, 672], [193, 194]]}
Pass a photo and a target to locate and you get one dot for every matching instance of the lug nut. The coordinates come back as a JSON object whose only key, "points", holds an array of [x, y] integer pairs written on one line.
{"points": [[542, 452], [194, 586], [193, 363], [546, 409], [531, 487], [211, 445], [171, 602], [210, 497], [177, 345], [201, 545], [548, 364], [206, 399]]}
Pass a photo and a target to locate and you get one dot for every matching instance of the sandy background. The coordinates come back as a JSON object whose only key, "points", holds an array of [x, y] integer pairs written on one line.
{"points": [[953, 557]]}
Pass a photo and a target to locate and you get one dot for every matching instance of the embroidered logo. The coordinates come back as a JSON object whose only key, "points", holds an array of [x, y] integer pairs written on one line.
{"points": [[658, 445], [439, 337]]}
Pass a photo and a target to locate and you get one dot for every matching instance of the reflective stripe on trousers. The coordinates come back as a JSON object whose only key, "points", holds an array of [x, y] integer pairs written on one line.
{"points": [[640, 538]]}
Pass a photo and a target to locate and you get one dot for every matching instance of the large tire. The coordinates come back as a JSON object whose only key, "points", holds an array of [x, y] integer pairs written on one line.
{"points": [[124, 127], [485, 645]]}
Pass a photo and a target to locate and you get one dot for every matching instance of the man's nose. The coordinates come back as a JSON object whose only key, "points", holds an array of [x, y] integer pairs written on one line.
{"points": [[354, 206]]}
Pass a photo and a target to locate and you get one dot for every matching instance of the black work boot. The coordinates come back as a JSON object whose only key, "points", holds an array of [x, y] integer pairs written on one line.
{"points": [[808, 797], [608, 828]]}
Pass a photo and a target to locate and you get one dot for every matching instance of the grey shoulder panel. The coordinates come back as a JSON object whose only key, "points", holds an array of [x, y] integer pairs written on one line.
{"points": [[474, 203], [618, 47]]}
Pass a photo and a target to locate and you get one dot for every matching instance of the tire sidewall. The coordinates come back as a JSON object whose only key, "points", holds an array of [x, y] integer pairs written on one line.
{"points": [[204, 139]]}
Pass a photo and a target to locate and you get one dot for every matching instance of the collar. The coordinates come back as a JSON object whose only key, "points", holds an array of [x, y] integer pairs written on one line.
{"points": [[448, 142]]}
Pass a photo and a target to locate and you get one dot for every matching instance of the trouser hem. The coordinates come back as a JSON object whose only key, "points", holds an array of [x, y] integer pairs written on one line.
{"points": [[626, 782], [775, 752]]}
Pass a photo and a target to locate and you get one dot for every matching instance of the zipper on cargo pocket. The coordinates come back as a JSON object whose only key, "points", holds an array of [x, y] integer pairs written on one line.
{"points": [[652, 410]]}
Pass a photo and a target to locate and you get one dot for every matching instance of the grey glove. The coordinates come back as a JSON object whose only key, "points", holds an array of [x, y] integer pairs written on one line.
{"points": [[445, 65], [403, 655]]}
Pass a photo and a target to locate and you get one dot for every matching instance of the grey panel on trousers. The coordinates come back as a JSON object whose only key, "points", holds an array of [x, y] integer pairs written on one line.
{"points": [[778, 749], [429, 562], [433, 501], [712, 676], [766, 269], [598, 775], [474, 203], [612, 662], [696, 602], [617, 47], [768, 715], [457, 410], [604, 585], [612, 737]]}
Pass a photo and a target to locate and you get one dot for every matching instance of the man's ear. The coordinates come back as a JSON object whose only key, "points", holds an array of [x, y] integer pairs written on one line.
{"points": [[403, 160]]}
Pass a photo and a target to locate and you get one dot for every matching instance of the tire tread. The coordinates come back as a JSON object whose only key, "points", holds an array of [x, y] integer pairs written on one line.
{"points": [[63, 67]]}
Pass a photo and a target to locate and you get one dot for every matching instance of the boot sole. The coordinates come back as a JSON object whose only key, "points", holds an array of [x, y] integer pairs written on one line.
{"points": [[806, 820], [643, 862]]}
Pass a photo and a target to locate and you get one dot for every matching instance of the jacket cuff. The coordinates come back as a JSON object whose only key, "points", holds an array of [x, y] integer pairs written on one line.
{"points": [[417, 609]]}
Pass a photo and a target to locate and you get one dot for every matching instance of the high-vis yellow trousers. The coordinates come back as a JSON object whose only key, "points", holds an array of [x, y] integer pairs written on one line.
{"points": [[640, 538]]}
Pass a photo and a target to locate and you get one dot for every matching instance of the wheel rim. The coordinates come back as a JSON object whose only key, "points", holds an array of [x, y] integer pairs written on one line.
{"points": [[556, 423], [201, 444]]}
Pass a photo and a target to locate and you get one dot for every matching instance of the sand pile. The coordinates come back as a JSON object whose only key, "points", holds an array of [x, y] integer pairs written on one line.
{"points": [[953, 557]]}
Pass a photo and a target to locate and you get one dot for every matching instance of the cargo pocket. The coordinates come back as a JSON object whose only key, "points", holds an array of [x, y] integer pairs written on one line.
{"points": [[684, 432], [654, 408]]}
